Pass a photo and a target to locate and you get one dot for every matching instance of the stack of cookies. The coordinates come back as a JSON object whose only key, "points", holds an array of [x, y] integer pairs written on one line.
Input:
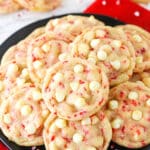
{"points": [[8, 6], [77, 84]]}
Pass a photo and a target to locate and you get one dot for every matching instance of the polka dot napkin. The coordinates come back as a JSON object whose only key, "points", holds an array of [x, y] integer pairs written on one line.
{"points": [[124, 10]]}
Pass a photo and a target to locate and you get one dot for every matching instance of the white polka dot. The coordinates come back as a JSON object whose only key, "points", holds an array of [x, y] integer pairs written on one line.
{"points": [[118, 2], [104, 2], [137, 13]]}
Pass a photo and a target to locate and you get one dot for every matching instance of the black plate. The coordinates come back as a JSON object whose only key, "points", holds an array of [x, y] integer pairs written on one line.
{"points": [[21, 34]]}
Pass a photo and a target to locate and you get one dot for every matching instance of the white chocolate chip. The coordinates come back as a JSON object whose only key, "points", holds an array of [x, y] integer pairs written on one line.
{"points": [[139, 60], [62, 56], [102, 55], [94, 85], [78, 68], [80, 102], [60, 142], [26, 110], [25, 73], [37, 64], [133, 95], [55, 22], [12, 69], [68, 132], [113, 104], [88, 36], [92, 54], [92, 60], [31, 129], [135, 137], [100, 33], [53, 128], [95, 120], [116, 124], [116, 64], [137, 38], [148, 102], [60, 95], [7, 119], [58, 77], [60, 123], [83, 49], [45, 113], [77, 138], [137, 115], [37, 52], [116, 43], [92, 57], [86, 121], [37, 95], [74, 86], [107, 48], [46, 48], [19, 104], [52, 146], [20, 81], [94, 43]]}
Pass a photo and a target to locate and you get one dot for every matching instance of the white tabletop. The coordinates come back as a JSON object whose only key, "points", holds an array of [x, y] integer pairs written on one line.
{"points": [[13, 22]]}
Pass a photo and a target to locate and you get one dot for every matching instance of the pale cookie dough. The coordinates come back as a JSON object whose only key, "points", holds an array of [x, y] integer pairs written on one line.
{"points": [[128, 110], [68, 27], [92, 133], [75, 89], [145, 77], [22, 116], [12, 75], [18, 52], [107, 46], [39, 5], [44, 52], [140, 39], [8, 6], [141, 1]]}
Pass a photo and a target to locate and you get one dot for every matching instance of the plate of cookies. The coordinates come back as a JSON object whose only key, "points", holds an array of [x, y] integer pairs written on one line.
{"points": [[76, 82]]}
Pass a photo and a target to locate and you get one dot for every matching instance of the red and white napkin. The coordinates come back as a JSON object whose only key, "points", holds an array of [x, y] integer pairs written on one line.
{"points": [[124, 10]]}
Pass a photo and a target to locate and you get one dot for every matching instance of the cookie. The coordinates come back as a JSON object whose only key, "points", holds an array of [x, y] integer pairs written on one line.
{"points": [[128, 110], [43, 52], [140, 40], [22, 116], [39, 5], [68, 27], [108, 46], [75, 89], [145, 77], [12, 75], [142, 1], [8, 6], [18, 52], [92, 133]]}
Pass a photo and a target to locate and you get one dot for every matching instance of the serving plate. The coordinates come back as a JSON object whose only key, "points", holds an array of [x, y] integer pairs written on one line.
{"points": [[21, 34]]}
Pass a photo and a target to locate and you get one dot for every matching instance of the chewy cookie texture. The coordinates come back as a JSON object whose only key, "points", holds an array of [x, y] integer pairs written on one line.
{"points": [[9, 6], [77, 88]]}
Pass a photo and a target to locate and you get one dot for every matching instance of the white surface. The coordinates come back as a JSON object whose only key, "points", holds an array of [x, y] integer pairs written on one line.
{"points": [[12, 22]]}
